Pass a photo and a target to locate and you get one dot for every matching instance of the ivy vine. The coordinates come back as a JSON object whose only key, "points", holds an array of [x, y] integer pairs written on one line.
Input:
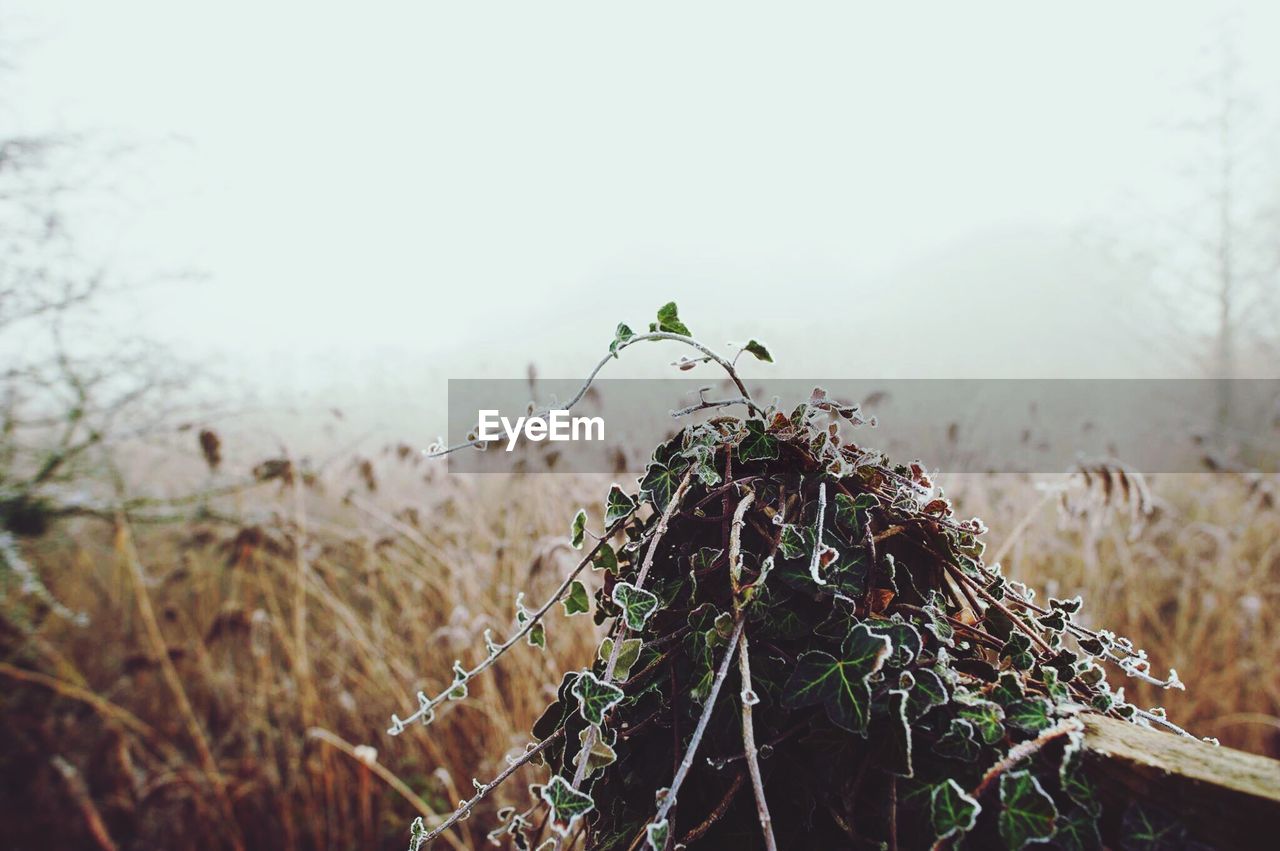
{"points": [[891, 688]]}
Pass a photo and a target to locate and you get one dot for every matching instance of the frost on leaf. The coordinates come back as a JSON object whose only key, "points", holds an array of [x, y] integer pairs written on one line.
{"points": [[637, 604], [460, 676], [567, 804], [605, 559], [627, 656], [594, 697], [622, 335], [755, 347], [656, 835], [662, 476], [576, 601], [417, 834], [951, 810], [578, 531], [840, 684], [897, 746], [602, 753], [617, 505], [792, 543], [538, 636], [1027, 813], [669, 321], [757, 444]]}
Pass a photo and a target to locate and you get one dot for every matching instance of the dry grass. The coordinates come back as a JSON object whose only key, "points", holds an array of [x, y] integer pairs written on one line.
{"points": [[230, 677]]}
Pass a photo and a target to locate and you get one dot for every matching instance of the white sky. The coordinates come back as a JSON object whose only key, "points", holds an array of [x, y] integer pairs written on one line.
{"points": [[386, 194]]}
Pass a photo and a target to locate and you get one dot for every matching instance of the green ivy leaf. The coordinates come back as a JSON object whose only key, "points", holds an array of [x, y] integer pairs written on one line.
{"points": [[617, 506], [602, 752], [986, 716], [840, 684], [578, 531], [537, 636], [567, 804], [758, 444], [662, 476], [622, 335], [1018, 651], [417, 834], [925, 690], [1027, 813], [627, 656], [1008, 690], [1144, 830], [907, 643], [605, 559], [959, 742], [952, 811], [656, 835], [1077, 831], [704, 467], [1031, 714], [576, 601], [792, 544], [594, 697], [757, 348], [848, 512], [637, 604], [669, 320]]}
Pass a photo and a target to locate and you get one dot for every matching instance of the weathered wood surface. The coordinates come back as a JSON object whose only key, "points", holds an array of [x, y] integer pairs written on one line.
{"points": [[1227, 798]]}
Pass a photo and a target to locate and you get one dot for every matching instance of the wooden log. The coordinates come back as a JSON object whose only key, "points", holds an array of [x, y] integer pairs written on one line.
{"points": [[1226, 798]]}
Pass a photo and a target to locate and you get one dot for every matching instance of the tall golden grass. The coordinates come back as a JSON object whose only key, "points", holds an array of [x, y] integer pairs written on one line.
{"points": [[235, 683]]}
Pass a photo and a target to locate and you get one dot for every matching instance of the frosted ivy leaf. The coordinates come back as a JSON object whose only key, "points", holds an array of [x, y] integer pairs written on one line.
{"points": [[605, 559], [952, 810], [756, 348], [792, 543], [595, 698], [602, 753], [669, 321], [636, 604], [657, 834], [628, 653], [576, 601], [620, 336], [749, 697], [417, 834], [578, 531], [538, 636], [617, 505], [1027, 813], [459, 690], [567, 804]]}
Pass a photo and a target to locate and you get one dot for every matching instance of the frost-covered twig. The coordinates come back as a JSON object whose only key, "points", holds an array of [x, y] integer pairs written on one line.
{"points": [[482, 791], [749, 744], [611, 665], [426, 707], [1019, 752], [817, 545], [685, 764]]}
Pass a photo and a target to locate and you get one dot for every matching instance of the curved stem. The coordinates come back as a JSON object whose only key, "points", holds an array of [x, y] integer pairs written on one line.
{"points": [[724, 364]]}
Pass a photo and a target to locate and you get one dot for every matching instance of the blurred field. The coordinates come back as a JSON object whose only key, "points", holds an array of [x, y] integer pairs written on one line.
{"points": [[233, 677]]}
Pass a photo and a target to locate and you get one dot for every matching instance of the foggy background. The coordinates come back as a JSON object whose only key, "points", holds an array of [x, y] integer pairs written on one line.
{"points": [[364, 201]]}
